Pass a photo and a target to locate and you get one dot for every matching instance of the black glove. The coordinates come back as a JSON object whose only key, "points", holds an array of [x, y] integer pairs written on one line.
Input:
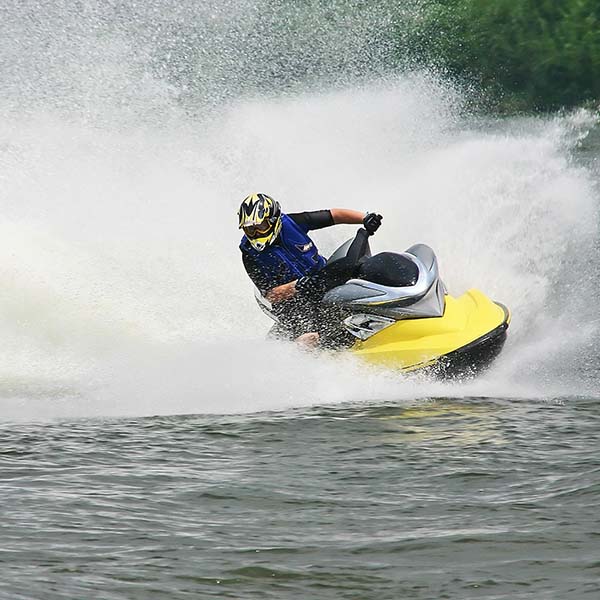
{"points": [[372, 221], [311, 287]]}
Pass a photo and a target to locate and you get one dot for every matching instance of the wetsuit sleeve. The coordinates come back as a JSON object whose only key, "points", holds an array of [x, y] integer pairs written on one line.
{"points": [[314, 219], [256, 274]]}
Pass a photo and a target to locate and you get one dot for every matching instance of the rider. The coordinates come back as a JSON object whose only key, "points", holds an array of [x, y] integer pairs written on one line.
{"points": [[284, 263]]}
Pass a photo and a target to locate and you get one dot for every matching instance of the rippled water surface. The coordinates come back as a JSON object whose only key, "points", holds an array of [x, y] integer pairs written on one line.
{"points": [[470, 498]]}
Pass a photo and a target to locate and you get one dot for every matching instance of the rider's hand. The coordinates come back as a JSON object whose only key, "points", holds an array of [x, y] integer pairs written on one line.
{"points": [[311, 287], [371, 222]]}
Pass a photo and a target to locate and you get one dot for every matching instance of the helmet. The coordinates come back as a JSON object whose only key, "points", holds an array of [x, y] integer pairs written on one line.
{"points": [[260, 218]]}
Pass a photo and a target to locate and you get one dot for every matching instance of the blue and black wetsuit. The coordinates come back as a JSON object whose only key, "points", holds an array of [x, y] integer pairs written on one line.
{"points": [[291, 256]]}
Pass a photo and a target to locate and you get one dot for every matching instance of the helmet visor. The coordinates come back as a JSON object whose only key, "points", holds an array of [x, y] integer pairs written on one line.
{"points": [[260, 230]]}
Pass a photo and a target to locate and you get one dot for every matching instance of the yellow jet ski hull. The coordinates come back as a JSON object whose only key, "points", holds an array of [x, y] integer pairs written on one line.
{"points": [[468, 336]]}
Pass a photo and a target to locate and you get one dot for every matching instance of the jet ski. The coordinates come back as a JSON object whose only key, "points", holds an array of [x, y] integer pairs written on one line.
{"points": [[399, 314]]}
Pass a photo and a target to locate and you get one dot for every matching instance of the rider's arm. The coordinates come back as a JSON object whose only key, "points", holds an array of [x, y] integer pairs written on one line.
{"points": [[276, 294], [318, 219], [347, 216], [282, 292]]}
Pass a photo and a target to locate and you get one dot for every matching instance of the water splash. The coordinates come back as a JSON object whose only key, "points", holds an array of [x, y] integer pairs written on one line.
{"points": [[122, 286]]}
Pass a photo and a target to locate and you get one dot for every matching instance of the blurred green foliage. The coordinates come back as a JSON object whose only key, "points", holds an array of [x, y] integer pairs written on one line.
{"points": [[531, 54]]}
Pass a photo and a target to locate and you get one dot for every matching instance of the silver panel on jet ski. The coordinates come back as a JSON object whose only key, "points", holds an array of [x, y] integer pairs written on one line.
{"points": [[423, 299]]}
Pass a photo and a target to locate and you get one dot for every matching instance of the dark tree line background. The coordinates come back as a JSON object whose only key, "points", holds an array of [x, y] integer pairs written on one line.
{"points": [[527, 54]]}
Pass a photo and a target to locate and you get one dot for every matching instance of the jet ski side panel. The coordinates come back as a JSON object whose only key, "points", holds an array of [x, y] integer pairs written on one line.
{"points": [[416, 343]]}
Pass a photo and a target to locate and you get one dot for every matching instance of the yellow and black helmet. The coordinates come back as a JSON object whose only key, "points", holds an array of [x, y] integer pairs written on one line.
{"points": [[260, 218]]}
